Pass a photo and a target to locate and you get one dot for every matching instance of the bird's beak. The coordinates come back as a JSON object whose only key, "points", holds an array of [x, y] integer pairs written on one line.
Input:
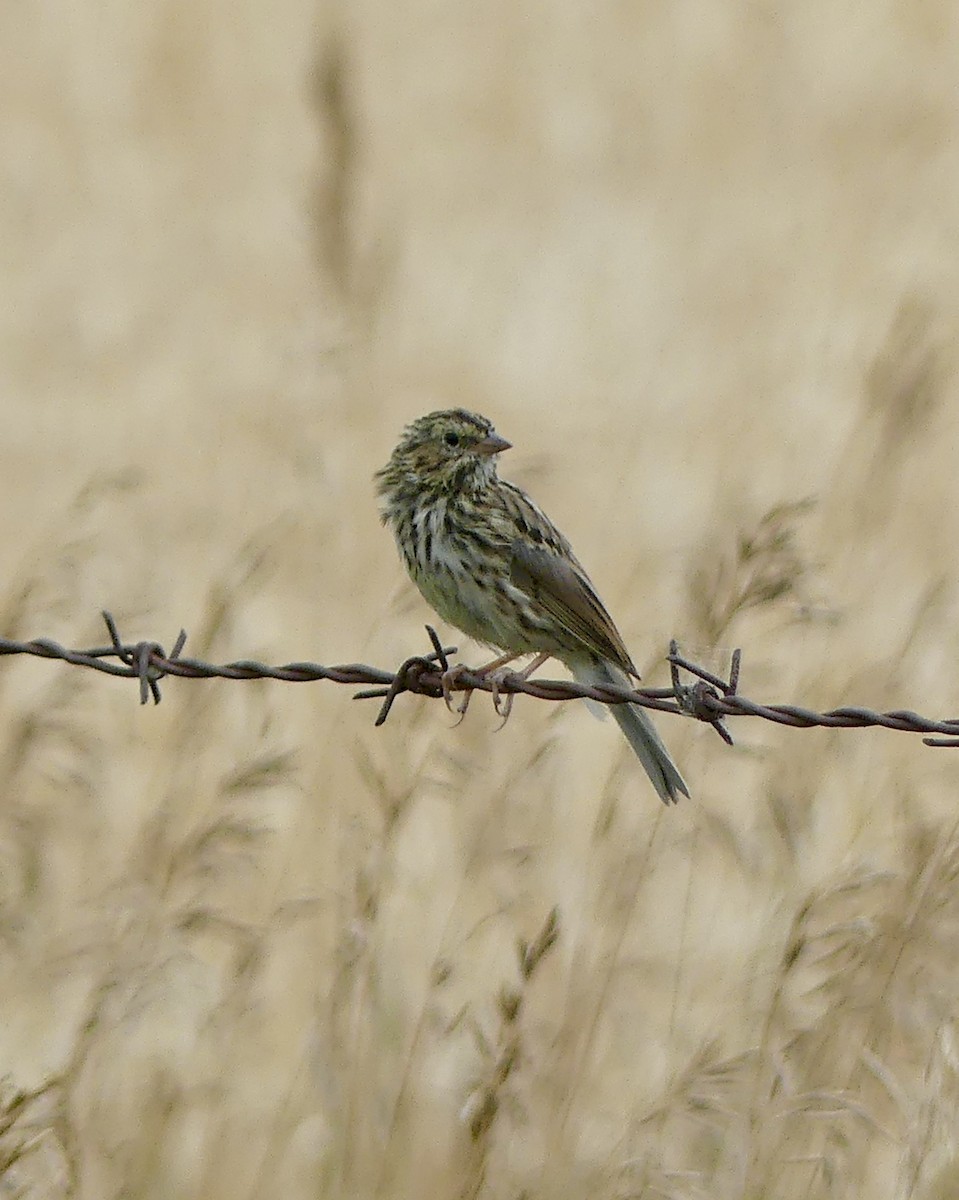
{"points": [[492, 444]]}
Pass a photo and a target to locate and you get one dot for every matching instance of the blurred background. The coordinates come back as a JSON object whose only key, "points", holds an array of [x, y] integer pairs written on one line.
{"points": [[698, 262]]}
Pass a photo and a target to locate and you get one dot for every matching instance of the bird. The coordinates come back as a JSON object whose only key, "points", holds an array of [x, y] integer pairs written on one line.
{"points": [[490, 562]]}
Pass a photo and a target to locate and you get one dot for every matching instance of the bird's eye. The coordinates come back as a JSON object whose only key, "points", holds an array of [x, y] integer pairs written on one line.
{"points": [[452, 439]]}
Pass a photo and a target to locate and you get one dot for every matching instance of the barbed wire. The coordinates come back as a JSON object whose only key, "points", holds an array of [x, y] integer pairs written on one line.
{"points": [[710, 699]]}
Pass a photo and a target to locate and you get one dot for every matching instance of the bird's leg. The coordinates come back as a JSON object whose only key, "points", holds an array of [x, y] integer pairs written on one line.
{"points": [[451, 676], [504, 704]]}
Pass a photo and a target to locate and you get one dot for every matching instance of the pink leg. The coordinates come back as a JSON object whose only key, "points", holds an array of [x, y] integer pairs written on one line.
{"points": [[506, 707], [452, 676]]}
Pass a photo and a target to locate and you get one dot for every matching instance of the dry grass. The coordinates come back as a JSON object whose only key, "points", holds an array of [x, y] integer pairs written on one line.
{"points": [[698, 263]]}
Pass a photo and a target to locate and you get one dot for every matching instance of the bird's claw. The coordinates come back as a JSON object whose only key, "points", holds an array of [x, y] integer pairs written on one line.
{"points": [[448, 680], [502, 703]]}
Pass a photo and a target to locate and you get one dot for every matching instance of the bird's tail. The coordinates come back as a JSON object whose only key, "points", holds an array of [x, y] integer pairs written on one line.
{"points": [[639, 730]]}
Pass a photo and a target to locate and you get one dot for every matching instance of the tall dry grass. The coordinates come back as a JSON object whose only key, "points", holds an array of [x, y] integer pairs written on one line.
{"points": [[699, 264]]}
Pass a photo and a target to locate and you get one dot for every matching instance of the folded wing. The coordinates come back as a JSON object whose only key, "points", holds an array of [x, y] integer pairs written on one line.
{"points": [[565, 592]]}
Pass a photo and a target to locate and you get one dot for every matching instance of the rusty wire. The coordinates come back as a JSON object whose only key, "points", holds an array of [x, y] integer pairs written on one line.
{"points": [[710, 699]]}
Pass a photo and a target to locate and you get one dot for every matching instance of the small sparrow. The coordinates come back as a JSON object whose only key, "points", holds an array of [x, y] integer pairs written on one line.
{"points": [[492, 564]]}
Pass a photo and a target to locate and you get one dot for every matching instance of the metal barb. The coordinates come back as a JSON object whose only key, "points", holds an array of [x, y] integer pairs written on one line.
{"points": [[146, 659], [409, 678], [438, 652], [701, 700]]}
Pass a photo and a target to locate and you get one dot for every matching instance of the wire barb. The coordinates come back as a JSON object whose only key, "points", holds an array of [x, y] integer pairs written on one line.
{"points": [[694, 701], [140, 656], [409, 675]]}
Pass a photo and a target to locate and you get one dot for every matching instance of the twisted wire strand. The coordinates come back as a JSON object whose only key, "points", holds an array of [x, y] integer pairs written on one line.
{"points": [[710, 699]]}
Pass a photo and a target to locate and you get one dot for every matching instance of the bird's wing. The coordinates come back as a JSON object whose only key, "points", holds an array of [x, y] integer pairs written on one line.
{"points": [[565, 592]]}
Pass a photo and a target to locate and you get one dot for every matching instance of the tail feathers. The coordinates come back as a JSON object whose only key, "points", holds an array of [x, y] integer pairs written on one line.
{"points": [[640, 733]]}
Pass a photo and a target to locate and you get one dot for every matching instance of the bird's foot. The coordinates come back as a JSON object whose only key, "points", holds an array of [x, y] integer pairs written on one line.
{"points": [[504, 703], [495, 673], [452, 676], [448, 681]]}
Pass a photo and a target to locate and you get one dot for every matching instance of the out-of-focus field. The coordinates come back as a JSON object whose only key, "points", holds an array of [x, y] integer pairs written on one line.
{"points": [[699, 263]]}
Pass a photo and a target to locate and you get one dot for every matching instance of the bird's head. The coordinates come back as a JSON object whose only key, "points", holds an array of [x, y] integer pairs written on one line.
{"points": [[443, 453]]}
